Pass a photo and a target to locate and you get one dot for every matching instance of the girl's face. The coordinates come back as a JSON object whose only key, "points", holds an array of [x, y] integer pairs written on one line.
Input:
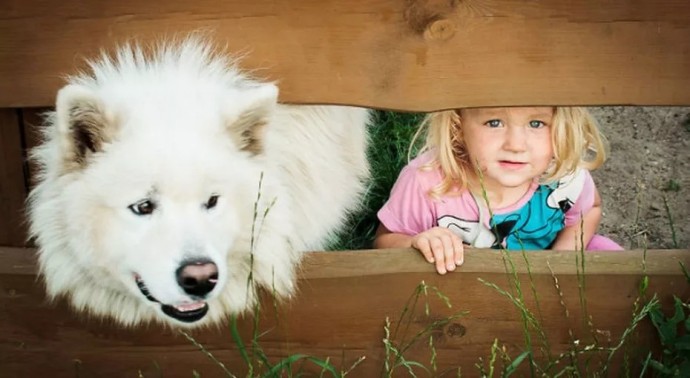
{"points": [[512, 145]]}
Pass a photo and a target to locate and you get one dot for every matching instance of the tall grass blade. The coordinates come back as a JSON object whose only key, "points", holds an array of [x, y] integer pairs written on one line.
{"points": [[674, 238], [637, 319], [353, 366], [685, 271], [324, 365], [283, 365], [237, 339], [512, 368], [207, 353]]}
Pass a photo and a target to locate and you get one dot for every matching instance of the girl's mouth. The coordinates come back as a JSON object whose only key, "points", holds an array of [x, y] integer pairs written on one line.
{"points": [[509, 164]]}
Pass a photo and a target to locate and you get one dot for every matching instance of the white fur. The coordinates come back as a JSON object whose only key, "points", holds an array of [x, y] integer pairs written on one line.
{"points": [[169, 116]]}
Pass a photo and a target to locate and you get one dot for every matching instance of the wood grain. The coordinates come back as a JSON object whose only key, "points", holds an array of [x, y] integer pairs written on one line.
{"points": [[340, 310], [409, 55]]}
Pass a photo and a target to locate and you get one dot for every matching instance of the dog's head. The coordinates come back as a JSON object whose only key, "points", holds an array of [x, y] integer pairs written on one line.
{"points": [[150, 173]]}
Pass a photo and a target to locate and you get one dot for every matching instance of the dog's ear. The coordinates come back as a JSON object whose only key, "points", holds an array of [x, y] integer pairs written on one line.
{"points": [[256, 105], [83, 124]]}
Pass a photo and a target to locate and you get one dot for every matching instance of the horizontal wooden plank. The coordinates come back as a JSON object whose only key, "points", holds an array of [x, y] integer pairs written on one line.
{"points": [[21, 261], [410, 55], [343, 301]]}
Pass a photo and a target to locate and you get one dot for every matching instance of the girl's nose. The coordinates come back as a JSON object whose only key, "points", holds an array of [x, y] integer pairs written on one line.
{"points": [[516, 139]]}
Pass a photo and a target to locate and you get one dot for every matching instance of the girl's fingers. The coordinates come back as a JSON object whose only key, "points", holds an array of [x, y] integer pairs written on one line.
{"points": [[449, 252], [422, 245], [459, 249], [438, 249], [442, 248]]}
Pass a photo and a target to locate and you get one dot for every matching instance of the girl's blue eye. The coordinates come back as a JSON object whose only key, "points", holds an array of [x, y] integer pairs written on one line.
{"points": [[493, 123], [536, 124]]}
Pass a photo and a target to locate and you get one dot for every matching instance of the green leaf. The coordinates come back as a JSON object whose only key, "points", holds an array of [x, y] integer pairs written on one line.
{"points": [[682, 343], [658, 366], [667, 331], [516, 362], [685, 271], [285, 363], [409, 364], [645, 365], [679, 315], [684, 368], [644, 284], [256, 349], [324, 365]]}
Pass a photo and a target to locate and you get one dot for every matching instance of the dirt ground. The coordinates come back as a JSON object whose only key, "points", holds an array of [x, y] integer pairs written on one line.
{"points": [[645, 184]]}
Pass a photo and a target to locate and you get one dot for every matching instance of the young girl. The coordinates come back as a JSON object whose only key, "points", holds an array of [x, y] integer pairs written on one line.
{"points": [[514, 178]]}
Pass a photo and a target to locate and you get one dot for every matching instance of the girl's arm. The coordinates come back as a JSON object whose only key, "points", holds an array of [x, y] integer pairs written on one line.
{"points": [[439, 245], [570, 237], [387, 239]]}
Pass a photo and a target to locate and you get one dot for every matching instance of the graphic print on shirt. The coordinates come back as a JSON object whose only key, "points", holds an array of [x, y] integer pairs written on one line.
{"points": [[471, 232], [535, 225]]}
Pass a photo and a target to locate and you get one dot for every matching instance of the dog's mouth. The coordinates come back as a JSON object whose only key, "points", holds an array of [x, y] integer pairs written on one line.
{"points": [[187, 313]]}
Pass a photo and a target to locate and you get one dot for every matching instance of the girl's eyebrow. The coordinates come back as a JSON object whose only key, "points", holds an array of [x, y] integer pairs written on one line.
{"points": [[490, 113], [541, 115]]}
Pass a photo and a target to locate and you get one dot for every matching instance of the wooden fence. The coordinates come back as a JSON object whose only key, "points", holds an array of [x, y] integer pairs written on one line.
{"points": [[417, 55]]}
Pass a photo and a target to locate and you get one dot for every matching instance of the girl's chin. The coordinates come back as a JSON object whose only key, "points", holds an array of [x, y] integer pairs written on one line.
{"points": [[508, 180]]}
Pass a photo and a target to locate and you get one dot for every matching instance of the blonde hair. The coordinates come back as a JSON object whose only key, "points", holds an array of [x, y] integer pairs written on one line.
{"points": [[575, 137]]}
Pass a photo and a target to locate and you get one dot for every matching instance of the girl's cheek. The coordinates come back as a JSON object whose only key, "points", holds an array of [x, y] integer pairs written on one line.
{"points": [[481, 164]]}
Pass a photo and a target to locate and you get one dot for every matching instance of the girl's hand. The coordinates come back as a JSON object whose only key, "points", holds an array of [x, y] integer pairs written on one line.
{"points": [[441, 246]]}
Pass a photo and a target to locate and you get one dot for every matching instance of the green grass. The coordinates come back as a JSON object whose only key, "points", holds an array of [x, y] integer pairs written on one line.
{"points": [[398, 340], [585, 357], [674, 336], [390, 135]]}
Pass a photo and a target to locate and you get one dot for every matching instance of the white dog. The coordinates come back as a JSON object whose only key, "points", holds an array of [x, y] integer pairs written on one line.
{"points": [[172, 186]]}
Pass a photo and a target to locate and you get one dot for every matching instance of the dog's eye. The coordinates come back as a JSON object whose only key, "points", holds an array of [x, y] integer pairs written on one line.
{"points": [[144, 207], [212, 202]]}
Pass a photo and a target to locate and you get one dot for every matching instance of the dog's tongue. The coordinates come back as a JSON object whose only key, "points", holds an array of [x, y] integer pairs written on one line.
{"points": [[190, 307]]}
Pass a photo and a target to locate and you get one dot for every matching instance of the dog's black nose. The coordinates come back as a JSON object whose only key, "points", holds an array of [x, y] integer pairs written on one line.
{"points": [[197, 277]]}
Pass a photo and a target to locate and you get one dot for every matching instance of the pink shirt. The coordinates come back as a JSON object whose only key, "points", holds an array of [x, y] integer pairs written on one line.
{"points": [[410, 210]]}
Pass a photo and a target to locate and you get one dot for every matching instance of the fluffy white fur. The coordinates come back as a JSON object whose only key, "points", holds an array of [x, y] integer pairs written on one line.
{"points": [[177, 125]]}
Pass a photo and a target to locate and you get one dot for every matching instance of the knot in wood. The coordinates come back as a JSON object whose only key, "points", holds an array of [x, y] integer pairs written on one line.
{"points": [[430, 18], [440, 30], [456, 330]]}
